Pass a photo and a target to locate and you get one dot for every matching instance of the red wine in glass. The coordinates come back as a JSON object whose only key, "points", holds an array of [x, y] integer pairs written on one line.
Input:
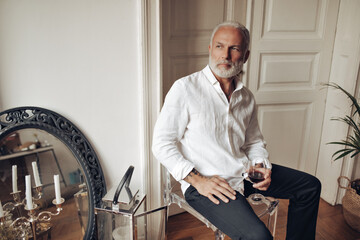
{"points": [[256, 170], [256, 176]]}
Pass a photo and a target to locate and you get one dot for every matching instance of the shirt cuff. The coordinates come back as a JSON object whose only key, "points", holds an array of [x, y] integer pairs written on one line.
{"points": [[183, 168]]}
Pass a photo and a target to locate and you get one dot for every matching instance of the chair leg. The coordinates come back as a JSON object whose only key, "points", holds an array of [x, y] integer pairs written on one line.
{"points": [[273, 226], [219, 235]]}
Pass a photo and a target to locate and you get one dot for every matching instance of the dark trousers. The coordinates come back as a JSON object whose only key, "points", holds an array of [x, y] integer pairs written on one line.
{"points": [[237, 220]]}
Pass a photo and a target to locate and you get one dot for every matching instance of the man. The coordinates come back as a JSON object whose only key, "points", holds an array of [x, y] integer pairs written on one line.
{"points": [[208, 131]]}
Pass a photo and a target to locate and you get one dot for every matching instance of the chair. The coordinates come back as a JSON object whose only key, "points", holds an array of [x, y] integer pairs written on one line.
{"points": [[267, 211]]}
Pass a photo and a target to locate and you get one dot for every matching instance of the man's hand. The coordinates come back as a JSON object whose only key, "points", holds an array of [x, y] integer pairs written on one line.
{"points": [[211, 186], [264, 185]]}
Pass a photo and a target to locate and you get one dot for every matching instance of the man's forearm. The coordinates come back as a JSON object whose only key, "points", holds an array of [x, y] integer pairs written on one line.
{"points": [[193, 177]]}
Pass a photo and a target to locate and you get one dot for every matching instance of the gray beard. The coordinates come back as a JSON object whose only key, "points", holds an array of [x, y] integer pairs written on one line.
{"points": [[235, 69]]}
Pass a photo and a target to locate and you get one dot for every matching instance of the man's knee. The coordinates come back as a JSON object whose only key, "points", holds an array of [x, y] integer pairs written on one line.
{"points": [[311, 189], [314, 183]]}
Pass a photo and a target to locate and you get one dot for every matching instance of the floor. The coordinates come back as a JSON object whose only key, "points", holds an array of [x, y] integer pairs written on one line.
{"points": [[331, 225]]}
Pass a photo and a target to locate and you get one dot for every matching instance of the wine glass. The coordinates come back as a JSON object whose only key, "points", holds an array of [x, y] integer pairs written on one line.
{"points": [[255, 173]]}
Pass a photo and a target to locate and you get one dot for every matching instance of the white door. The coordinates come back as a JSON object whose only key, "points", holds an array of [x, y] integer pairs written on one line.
{"points": [[291, 50]]}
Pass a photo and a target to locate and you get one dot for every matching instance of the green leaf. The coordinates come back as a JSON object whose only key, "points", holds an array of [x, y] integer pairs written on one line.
{"points": [[342, 143], [352, 98], [352, 142], [354, 154], [342, 150], [346, 152]]}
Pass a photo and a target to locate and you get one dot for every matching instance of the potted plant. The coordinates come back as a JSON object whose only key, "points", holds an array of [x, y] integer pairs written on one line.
{"points": [[351, 144]]}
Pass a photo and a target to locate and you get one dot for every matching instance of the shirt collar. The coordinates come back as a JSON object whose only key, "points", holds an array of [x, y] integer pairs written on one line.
{"points": [[212, 79]]}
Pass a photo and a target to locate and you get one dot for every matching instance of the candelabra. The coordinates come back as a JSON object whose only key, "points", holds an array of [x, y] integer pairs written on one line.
{"points": [[35, 224]]}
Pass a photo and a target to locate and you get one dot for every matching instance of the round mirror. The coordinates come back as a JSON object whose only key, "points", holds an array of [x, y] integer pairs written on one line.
{"points": [[35, 138]]}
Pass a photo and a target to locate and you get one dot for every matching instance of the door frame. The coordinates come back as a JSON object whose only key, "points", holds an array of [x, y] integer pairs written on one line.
{"points": [[150, 97]]}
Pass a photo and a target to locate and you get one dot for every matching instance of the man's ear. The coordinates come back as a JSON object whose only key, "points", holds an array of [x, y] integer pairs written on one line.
{"points": [[209, 48], [246, 57]]}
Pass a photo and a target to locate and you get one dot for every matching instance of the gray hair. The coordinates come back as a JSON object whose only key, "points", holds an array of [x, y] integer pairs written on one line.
{"points": [[241, 28]]}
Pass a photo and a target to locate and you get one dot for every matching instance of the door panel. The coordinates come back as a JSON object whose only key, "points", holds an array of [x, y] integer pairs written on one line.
{"points": [[293, 19], [296, 127], [301, 71]]}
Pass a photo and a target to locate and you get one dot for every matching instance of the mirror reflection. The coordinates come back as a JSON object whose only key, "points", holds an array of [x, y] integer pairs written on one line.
{"points": [[24, 147]]}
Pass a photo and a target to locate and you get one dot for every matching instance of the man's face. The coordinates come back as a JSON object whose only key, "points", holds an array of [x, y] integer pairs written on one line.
{"points": [[226, 55]]}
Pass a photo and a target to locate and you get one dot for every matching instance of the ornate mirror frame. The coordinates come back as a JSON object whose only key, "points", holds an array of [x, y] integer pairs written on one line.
{"points": [[39, 118]]}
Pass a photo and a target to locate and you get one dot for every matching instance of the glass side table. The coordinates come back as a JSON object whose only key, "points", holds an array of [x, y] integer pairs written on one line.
{"points": [[123, 214]]}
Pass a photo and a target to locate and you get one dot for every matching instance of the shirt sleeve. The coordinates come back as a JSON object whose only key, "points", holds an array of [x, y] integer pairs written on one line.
{"points": [[169, 129], [255, 145]]}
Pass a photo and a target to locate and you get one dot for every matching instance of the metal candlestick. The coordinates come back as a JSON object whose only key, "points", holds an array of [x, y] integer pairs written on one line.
{"points": [[16, 204], [5, 219], [39, 192], [16, 197], [28, 227], [5, 222], [31, 224]]}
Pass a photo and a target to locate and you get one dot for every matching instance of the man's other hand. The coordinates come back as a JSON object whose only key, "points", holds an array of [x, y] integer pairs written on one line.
{"points": [[211, 187], [215, 186], [264, 185]]}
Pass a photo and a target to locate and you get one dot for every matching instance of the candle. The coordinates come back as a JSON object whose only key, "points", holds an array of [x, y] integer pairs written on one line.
{"points": [[14, 178], [57, 189], [36, 174], [1, 210], [28, 194]]}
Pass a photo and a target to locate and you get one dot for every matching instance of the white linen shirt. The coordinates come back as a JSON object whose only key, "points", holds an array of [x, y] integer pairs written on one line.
{"points": [[199, 128]]}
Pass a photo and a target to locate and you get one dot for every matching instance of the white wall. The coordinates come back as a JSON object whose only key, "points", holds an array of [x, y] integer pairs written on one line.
{"points": [[78, 58]]}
